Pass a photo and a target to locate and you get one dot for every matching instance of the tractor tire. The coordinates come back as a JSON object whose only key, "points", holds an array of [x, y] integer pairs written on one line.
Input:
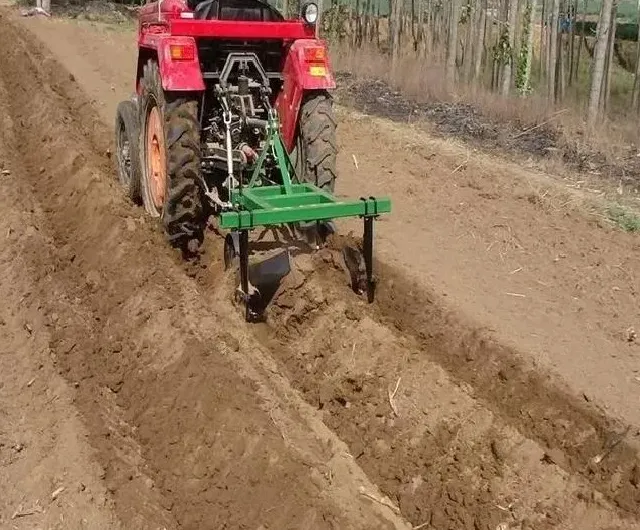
{"points": [[128, 149], [177, 197], [316, 146]]}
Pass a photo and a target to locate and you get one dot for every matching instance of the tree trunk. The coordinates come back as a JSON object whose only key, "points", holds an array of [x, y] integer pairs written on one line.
{"points": [[480, 40], [573, 13], [599, 60], [543, 42], [582, 38], [561, 69], [452, 44], [511, 25], [414, 35], [606, 92], [427, 43], [437, 28], [376, 26], [636, 79], [394, 31], [469, 41], [553, 51], [523, 75], [356, 25], [423, 37]]}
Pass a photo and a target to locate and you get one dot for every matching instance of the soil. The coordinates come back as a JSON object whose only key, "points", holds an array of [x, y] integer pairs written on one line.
{"points": [[493, 384]]}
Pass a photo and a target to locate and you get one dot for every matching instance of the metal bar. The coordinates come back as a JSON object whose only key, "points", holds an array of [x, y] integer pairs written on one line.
{"points": [[325, 194], [283, 163], [249, 201], [304, 197], [258, 167], [297, 199], [368, 256], [244, 271], [258, 123], [216, 75], [278, 190], [293, 214], [272, 138]]}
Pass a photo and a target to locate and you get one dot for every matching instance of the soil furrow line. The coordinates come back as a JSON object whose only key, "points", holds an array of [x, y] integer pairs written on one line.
{"points": [[478, 429]]}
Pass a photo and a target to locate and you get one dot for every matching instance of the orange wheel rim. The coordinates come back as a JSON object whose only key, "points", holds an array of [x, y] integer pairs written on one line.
{"points": [[156, 167]]}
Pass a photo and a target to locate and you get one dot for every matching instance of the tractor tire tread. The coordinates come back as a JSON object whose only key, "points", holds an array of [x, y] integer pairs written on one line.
{"points": [[127, 116], [184, 217], [318, 130], [183, 214]]}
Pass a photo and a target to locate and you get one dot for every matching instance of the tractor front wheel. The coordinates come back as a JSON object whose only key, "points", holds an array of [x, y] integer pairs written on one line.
{"points": [[170, 147], [316, 147]]}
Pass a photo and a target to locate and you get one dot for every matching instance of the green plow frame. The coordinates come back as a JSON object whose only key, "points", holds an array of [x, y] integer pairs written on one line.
{"points": [[258, 205]]}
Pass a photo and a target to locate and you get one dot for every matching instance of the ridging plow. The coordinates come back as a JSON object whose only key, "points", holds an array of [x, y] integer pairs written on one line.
{"points": [[263, 203]]}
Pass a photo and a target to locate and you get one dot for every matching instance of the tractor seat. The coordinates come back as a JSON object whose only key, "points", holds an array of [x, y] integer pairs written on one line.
{"points": [[240, 10]]}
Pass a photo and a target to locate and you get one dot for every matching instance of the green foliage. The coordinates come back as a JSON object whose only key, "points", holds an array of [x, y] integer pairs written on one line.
{"points": [[628, 221], [523, 70], [334, 22], [502, 49], [465, 12]]}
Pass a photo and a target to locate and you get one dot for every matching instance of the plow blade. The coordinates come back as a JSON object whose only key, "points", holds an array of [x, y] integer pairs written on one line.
{"points": [[354, 262], [266, 274], [360, 275], [259, 278]]}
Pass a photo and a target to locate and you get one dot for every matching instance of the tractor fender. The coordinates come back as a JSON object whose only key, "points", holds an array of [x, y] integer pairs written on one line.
{"points": [[298, 80], [177, 74]]}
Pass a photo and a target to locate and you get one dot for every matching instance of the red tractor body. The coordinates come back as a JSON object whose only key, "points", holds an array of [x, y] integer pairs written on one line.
{"points": [[170, 33]]}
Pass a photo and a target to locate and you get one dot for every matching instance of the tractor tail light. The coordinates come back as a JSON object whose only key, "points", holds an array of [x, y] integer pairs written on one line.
{"points": [[182, 52], [316, 59]]}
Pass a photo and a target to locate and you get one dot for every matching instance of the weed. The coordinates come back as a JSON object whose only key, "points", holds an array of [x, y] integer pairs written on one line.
{"points": [[624, 218]]}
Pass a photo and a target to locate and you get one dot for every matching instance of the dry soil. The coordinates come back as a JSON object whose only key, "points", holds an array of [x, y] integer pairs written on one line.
{"points": [[495, 381]]}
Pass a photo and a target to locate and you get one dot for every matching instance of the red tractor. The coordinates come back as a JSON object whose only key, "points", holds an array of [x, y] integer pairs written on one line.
{"points": [[233, 117]]}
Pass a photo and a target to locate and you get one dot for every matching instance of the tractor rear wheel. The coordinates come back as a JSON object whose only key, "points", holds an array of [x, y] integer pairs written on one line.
{"points": [[316, 147], [127, 149], [170, 146]]}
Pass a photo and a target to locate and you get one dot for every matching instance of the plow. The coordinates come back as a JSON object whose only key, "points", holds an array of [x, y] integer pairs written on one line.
{"points": [[232, 118]]}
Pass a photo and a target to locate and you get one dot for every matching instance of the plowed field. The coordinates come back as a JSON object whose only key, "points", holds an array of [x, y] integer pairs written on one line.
{"points": [[495, 380]]}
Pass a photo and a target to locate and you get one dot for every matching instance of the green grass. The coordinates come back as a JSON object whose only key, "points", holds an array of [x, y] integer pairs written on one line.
{"points": [[624, 218]]}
